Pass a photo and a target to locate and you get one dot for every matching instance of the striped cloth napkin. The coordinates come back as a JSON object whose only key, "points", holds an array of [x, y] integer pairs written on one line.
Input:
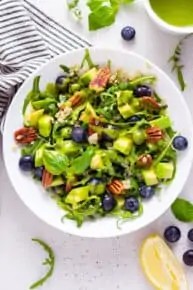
{"points": [[28, 38]]}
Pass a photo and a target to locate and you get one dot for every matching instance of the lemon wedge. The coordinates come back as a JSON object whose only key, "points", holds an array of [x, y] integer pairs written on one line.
{"points": [[160, 265]]}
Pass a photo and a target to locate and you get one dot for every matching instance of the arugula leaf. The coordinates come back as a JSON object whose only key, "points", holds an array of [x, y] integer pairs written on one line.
{"points": [[183, 210], [73, 5], [50, 261], [32, 148], [33, 94], [55, 162], [87, 59], [82, 163]]}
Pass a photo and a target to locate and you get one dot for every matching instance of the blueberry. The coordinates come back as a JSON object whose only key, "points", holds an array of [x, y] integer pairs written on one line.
{"points": [[142, 90], [26, 163], [94, 181], [172, 234], [134, 119], [60, 79], [78, 135], [128, 33], [131, 204], [188, 258], [146, 191], [180, 143], [38, 172], [190, 235], [108, 202]]}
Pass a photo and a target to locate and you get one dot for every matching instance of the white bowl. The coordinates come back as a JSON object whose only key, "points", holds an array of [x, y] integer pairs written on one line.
{"points": [[40, 203], [164, 25]]}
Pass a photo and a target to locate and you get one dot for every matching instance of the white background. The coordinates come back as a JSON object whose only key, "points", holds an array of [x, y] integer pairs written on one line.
{"points": [[84, 264]]}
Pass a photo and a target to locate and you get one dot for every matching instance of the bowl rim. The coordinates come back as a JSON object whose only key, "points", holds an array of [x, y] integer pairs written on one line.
{"points": [[157, 214], [163, 24]]}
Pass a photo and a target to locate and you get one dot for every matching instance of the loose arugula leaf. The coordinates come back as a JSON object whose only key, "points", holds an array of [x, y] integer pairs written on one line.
{"points": [[50, 261], [73, 5], [33, 95], [82, 163], [65, 68], [55, 162], [183, 210], [175, 59], [87, 59]]}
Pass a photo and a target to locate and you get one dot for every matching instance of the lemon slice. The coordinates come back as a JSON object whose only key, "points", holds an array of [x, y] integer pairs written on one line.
{"points": [[160, 265]]}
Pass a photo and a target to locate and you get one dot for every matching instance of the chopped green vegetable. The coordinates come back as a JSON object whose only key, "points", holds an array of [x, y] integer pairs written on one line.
{"points": [[50, 261], [150, 177], [123, 145], [55, 162], [45, 125], [164, 170], [77, 195]]}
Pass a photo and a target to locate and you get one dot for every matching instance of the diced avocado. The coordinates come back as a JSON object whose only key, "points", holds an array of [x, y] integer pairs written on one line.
{"points": [[123, 144], [77, 195], [58, 180], [66, 132], [96, 162], [123, 97], [45, 125], [163, 122], [88, 76], [120, 201], [39, 157], [150, 177], [98, 188], [31, 119], [74, 88], [87, 113], [164, 170], [126, 111]]}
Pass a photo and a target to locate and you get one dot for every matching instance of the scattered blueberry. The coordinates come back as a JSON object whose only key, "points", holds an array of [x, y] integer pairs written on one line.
{"points": [[60, 79], [146, 191], [188, 258], [180, 143], [131, 204], [94, 181], [134, 118], [128, 33], [190, 235], [38, 172], [78, 134], [142, 90], [172, 234], [108, 202], [26, 163]]}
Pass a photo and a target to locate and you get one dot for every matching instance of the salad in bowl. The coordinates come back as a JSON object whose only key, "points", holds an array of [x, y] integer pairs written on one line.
{"points": [[100, 141]]}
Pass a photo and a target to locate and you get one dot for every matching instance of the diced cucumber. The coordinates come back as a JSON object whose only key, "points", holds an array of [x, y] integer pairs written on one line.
{"points": [[163, 122], [164, 170], [150, 177]]}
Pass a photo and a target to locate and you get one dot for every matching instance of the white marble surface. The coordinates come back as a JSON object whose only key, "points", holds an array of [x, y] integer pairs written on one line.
{"points": [[84, 264]]}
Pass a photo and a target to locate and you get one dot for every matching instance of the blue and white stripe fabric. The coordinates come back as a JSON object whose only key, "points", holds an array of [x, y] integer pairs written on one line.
{"points": [[28, 38]]}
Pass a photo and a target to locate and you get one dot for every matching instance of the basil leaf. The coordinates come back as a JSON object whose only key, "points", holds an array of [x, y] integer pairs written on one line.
{"points": [[183, 210], [82, 163], [101, 17], [55, 162]]}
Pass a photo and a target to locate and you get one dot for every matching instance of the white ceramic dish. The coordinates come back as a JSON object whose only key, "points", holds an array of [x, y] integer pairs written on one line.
{"points": [[164, 25], [40, 203]]}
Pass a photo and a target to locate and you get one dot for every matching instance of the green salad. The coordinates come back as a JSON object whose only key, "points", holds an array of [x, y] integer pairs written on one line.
{"points": [[99, 141]]}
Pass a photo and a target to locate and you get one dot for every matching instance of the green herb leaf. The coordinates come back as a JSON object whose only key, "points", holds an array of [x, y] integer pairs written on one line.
{"points": [[82, 163], [32, 148], [101, 17], [73, 5], [87, 59], [183, 210], [48, 261], [33, 95], [55, 162]]}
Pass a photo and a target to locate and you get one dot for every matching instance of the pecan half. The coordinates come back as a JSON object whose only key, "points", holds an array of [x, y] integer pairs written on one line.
{"points": [[150, 102], [76, 99], [101, 80], [154, 134], [47, 179], [144, 160], [68, 187], [25, 135], [116, 187]]}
